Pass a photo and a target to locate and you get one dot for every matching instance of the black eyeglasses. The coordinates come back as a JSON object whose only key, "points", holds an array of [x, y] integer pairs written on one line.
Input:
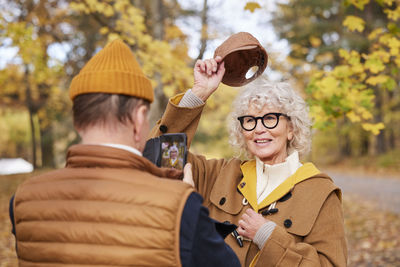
{"points": [[269, 120]]}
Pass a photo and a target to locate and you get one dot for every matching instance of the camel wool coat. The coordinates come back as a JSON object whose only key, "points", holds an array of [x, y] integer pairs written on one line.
{"points": [[309, 223]]}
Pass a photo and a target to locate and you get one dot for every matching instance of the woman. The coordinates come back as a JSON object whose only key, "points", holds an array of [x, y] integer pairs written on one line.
{"points": [[288, 213]]}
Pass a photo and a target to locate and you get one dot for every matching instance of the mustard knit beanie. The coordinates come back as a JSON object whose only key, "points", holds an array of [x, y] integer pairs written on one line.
{"points": [[114, 70]]}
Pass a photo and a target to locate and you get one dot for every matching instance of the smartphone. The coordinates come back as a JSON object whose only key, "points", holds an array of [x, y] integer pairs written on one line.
{"points": [[167, 150]]}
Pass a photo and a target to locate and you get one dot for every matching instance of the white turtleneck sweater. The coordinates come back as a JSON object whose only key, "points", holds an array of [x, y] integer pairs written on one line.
{"points": [[270, 177]]}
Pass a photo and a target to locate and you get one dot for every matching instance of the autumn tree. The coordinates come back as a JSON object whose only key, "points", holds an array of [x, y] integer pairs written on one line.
{"points": [[37, 81], [33, 79], [343, 54], [364, 87]]}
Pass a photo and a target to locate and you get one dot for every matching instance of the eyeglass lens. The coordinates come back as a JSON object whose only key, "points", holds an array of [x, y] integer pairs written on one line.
{"points": [[269, 121]]}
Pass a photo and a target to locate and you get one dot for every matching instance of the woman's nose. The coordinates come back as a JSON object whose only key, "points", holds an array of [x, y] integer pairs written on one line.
{"points": [[260, 128]]}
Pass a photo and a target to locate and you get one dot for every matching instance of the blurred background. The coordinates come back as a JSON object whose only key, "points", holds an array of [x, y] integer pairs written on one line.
{"points": [[342, 56]]}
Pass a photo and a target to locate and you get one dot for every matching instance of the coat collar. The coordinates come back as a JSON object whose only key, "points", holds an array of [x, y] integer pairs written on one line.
{"points": [[248, 184], [98, 156]]}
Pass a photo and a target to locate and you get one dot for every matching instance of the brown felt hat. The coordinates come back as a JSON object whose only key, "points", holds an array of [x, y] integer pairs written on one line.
{"points": [[241, 52]]}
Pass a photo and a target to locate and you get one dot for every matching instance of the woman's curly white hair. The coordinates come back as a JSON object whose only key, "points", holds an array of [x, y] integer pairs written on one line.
{"points": [[278, 95]]}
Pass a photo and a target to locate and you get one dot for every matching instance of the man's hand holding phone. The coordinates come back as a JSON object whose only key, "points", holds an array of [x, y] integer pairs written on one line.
{"points": [[167, 150]]}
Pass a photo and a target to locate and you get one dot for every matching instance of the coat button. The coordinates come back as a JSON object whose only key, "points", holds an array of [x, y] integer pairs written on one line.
{"points": [[287, 223], [285, 197], [242, 184], [222, 201], [163, 128]]}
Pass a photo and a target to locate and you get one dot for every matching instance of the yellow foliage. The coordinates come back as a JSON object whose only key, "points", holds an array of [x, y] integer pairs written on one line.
{"points": [[388, 2], [375, 33], [103, 30], [393, 14], [354, 23], [345, 91], [344, 54], [353, 117], [108, 11], [251, 6], [394, 45], [359, 3], [392, 42], [366, 114], [374, 80], [324, 58], [300, 49], [358, 69], [329, 86], [94, 5], [397, 61], [318, 115], [173, 32], [315, 41], [373, 128], [341, 71], [79, 7], [374, 64]]}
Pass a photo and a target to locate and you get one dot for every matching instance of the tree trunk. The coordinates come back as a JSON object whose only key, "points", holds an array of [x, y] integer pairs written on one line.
{"points": [[204, 31], [365, 144], [29, 105], [344, 140], [47, 147], [160, 99], [380, 138]]}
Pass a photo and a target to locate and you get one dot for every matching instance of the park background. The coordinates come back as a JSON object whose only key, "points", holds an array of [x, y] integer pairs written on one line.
{"points": [[342, 56]]}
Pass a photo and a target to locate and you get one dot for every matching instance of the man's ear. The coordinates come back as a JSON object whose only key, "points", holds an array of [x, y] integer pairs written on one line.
{"points": [[139, 122]]}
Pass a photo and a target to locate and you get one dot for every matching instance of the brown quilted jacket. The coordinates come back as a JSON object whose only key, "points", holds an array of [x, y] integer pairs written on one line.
{"points": [[106, 208]]}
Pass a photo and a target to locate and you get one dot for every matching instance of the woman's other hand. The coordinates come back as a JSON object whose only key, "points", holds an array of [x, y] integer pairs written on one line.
{"points": [[207, 76], [249, 224]]}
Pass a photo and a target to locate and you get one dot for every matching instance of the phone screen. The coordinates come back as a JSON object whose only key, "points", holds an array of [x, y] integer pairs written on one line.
{"points": [[173, 150]]}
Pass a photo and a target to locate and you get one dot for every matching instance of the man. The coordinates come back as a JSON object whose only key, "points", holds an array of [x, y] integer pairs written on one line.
{"points": [[108, 206]]}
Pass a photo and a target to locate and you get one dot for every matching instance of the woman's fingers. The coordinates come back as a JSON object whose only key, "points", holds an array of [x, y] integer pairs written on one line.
{"points": [[187, 174], [208, 66], [241, 228]]}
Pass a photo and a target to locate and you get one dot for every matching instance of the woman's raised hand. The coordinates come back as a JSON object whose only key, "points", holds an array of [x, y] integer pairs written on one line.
{"points": [[207, 76]]}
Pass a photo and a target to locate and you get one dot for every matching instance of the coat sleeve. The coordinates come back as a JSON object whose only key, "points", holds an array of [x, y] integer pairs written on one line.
{"points": [[178, 119], [325, 245]]}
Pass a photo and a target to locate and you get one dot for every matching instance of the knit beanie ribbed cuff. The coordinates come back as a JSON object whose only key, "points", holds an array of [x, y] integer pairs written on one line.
{"points": [[112, 82]]}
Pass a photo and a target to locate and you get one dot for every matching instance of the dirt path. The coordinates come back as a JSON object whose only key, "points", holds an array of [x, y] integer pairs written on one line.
{"points": [[383, 191]]}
